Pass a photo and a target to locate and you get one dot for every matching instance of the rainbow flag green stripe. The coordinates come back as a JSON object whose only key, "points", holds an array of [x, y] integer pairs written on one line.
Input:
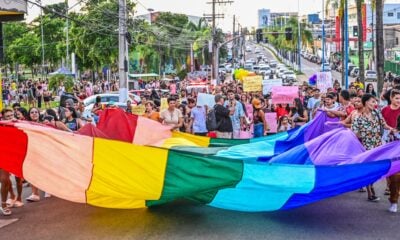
{"points": [[195, 177]]}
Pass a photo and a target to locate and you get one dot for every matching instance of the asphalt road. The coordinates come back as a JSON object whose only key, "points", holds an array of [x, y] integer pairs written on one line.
{"points": [[308, 68], [348, 216]]}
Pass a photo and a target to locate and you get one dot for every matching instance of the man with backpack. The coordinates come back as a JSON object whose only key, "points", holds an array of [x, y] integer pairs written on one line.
{"points": [[223, 121]]}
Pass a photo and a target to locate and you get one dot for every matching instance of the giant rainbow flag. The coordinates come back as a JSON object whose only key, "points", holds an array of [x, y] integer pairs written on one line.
{"points": [[117, 166]]}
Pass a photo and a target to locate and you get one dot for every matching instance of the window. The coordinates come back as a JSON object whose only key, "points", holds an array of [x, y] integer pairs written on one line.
{"points": [[390, 14], [397, 41], [398, 15]]}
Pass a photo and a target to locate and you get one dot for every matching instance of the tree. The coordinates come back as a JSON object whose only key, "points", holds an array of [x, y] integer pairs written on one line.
{"points": [[380, 51], [25, 50], [12, 31], [360, 40]]}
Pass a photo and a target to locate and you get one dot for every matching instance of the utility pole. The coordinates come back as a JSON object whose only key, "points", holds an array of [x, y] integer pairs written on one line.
{"points": [[346, 44], [298, 36], [234, 42], [214, 16], [122, 63], [42, 33], [323, 36], [67, 35]]}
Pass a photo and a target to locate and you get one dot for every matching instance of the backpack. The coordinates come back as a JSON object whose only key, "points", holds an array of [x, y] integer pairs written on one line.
{"points": [[211, 120]]}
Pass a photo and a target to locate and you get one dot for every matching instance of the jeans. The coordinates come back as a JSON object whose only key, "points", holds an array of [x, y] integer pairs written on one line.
{"points": [[258, 130]]}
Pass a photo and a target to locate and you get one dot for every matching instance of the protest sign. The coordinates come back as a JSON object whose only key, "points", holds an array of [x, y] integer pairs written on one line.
{"points": [[272, 122], [324, 81], [139, 110], [164, 104], [252, 84], [204, 99], [269, 83], [285, 94]]}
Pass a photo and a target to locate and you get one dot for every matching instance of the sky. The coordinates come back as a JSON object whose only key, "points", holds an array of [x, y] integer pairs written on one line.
{"points": [[245, 10]]}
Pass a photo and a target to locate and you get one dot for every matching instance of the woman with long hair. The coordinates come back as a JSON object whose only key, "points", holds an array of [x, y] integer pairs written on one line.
{"points": [[71, 120], [369, 127], [297, 113], [284, 124], [260, 123], [150, 112], [370, 89], [21, 114], [51, 118]]}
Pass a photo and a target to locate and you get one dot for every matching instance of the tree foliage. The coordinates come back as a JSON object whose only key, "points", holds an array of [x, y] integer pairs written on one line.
{"points": [[93, 37]]}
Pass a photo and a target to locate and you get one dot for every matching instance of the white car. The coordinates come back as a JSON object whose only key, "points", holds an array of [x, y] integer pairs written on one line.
{"points": [[222, 69], [248, 66], [108, 97], [371, 74], [289, 77], [280, 72], [265, 70], [325, 67]]}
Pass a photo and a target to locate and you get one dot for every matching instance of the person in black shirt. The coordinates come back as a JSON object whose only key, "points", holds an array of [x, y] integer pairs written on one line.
{"points": [[222, 115]]}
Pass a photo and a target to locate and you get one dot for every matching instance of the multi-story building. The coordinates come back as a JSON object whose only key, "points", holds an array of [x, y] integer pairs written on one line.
{"points": [[264, 18], [391, 16], [282, 15]]}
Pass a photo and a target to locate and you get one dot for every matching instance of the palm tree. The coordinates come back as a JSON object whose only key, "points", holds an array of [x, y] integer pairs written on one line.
{"points": [[359, 4], [380, 56]]}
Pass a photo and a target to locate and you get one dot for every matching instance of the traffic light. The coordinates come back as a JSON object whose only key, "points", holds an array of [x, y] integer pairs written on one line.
{"points": [[355, 31], [289, 34], [259, 35]]}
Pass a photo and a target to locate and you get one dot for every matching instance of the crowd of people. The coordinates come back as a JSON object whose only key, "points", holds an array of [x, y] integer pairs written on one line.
{"points": [[236, 114]]}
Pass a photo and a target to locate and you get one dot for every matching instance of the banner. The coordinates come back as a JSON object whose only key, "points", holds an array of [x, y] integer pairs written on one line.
{"points": [[164, 104], [271, 119], [139, 110], [286, 94], [204, 99], [324, 81], [269, 83], [252, 84]]}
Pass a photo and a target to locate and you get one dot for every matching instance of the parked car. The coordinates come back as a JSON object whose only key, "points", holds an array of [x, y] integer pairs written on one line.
{"points": [[109, 97], [355, 72], [350, 68], [325, 67], [371, 74]]}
